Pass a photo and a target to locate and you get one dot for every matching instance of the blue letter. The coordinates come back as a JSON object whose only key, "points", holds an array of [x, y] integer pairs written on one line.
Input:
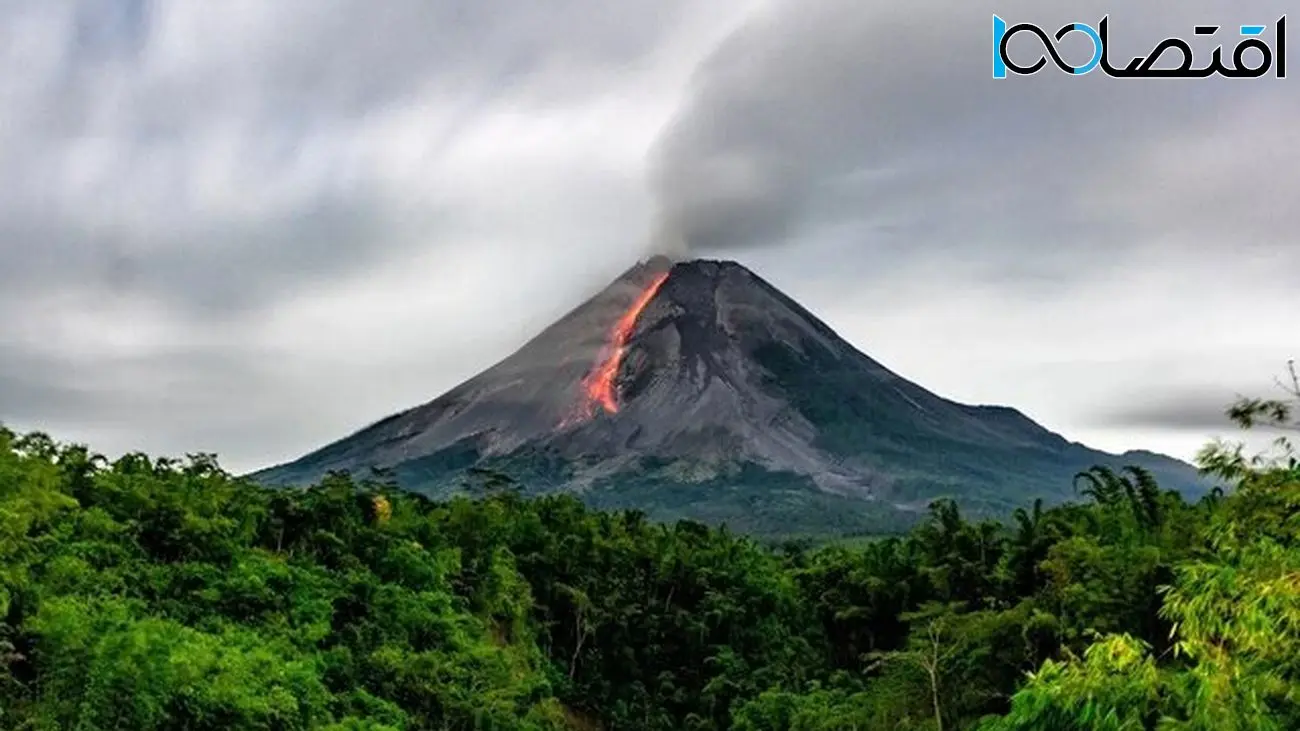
{"points": [[999, 30], [1096, 46]]}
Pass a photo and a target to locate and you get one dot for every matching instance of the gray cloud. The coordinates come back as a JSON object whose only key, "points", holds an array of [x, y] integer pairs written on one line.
{"points": [[212, 157], [1198, 411]]}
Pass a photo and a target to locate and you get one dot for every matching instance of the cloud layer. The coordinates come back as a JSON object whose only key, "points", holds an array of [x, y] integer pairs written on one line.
{"points": [[250, 229]]}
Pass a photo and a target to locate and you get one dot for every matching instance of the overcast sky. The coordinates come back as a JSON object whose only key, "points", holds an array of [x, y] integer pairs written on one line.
{"points": [[252, 227]]}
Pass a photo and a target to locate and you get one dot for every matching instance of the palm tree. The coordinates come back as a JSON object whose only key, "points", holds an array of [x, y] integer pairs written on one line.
{"points": [[1027, 523], [1133, 484], [1103, 485], [1147, 503], [1028, 546]]}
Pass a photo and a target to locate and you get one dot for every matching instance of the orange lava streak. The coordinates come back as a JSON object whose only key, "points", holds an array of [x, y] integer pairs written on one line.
{"points": [[599, 384]]}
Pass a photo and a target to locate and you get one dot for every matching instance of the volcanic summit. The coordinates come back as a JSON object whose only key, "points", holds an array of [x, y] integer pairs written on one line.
{"points": [[697, 389]]}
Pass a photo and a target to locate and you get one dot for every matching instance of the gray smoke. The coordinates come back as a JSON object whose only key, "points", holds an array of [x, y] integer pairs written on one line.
{"points": [[879, 123]]}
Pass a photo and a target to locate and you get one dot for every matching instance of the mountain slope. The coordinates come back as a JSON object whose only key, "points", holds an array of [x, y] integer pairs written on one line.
{"points": [[697, 389]]}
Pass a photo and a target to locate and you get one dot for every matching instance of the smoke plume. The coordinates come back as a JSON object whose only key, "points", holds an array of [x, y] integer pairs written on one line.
{"points": [[879, 123]]}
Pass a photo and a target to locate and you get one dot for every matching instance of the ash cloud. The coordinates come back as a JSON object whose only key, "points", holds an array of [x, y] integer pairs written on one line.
{"points": [[881, 123]]}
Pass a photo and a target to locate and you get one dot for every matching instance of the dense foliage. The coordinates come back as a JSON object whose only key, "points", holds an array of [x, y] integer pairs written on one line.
{"points": [[160, 594]]}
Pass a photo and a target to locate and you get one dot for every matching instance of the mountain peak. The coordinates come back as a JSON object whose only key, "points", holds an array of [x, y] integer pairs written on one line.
{"points": [[704, 269]]}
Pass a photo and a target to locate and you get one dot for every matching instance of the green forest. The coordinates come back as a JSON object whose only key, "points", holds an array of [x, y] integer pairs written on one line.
{"points": [[153, 593]]}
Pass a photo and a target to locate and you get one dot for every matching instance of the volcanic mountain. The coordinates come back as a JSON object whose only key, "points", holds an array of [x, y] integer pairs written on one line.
{"points": [[696, 389]]}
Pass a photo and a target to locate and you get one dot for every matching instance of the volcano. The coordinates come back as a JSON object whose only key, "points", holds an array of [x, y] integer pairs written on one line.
{"points": [[698, 390]]}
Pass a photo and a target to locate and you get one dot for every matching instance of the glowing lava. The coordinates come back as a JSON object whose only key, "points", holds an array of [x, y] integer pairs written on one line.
{"points": [[599, 383]]}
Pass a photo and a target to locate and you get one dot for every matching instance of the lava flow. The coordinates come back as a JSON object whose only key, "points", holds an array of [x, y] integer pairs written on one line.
{"points": [[599, 383]]}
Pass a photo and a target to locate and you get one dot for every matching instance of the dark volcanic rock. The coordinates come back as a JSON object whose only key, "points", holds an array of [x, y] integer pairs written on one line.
{"points": [[733, 400]]}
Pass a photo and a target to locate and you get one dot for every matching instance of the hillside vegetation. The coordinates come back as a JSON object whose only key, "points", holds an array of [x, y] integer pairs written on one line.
{"points": [[166, 594]]}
